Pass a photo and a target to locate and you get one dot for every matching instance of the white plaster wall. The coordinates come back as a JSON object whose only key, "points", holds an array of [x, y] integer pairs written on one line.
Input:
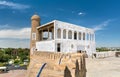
{"points": [[78, 44], [46, 46], [66, 43], [68, 26]]}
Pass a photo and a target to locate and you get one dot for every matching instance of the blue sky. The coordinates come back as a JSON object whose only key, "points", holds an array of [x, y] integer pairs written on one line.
{"points": [[100, 15]]}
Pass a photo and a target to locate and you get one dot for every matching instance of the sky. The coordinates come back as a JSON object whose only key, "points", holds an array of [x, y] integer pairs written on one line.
{"points": [[100, 15]]}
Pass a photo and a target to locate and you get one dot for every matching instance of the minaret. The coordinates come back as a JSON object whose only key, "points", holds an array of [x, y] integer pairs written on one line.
{"points": [[35, 22]]}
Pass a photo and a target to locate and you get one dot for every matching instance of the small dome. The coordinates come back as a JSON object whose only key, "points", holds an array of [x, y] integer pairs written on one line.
{"points": [[35, 17]]}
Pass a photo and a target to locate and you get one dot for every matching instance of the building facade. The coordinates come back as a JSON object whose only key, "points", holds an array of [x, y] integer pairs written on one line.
{"points": [[58, 36]]}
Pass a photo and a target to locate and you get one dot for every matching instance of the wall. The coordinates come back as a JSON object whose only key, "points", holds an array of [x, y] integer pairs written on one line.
{"points": [[48, 45], [66, 44], [56, 63], [87, 45]]}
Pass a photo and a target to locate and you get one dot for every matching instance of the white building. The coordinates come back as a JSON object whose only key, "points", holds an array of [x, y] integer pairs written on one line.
{"points": [[58, 36]]}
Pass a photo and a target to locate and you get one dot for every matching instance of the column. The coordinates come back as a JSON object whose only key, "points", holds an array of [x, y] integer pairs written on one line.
{"points": [[61, 33], [89, 36], [42, 35], [85, 36], [72, 35], [66, 34], [81, 35], [48, 34], [77, 35], [94, 37], [53, 33]]}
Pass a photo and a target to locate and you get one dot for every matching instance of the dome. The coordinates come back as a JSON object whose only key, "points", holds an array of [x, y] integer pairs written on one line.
{"points": [[35, 17]]}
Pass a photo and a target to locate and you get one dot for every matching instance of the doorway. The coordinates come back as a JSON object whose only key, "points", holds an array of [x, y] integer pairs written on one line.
{"points": [[58, 47]]}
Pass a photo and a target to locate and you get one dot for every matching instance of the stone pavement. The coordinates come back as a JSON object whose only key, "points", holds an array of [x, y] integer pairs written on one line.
{"points": [[14, 73], [107, 67]]}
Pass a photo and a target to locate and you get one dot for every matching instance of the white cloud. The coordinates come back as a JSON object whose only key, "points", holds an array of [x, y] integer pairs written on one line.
{"points": [[14, 43], [102, 25], [23, 33], [81, 14], [13, 5]]}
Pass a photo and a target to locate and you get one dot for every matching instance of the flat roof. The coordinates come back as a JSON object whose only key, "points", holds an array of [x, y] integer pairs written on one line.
{"points": [[46, 24], [63, 22]]}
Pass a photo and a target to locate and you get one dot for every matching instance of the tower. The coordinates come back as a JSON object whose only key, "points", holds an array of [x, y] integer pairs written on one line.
{"points": [[35, 22]]}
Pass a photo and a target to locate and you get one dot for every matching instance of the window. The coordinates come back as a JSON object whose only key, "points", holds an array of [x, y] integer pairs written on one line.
{"points": [[83, 36], [90, 37], [69, 34], [58, 33], [79, 35], [93, 38], [75, 35], [33, 36], [87, 36], [64, 34]]}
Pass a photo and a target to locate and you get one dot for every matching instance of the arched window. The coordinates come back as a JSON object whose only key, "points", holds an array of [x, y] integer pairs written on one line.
{"points": [[90, 37], [59, 33], [93, 37], [79, 35], [75, 35], [83, 36], [64, 34], [87, 36], [69, 34]]}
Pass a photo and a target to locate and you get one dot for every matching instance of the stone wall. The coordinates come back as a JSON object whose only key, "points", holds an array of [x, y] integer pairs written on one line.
{"points": [[57, 64], [105, 54]]}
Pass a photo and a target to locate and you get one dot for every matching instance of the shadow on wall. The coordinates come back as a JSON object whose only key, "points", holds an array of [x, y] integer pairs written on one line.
{"points": [[67, 72], [80, 70]]}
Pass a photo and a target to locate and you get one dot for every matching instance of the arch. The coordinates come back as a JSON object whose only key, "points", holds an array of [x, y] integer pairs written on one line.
{"points": [[93, 37], [70, 34], [87, 36], [64, 34], [80, 35], [90, 37], [59, 33], [75, 35], [84, 36]]}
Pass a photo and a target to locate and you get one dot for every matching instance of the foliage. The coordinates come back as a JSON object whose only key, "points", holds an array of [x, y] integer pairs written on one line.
{"points": [[4, 57], [13, 53], [102, 49], [16, 62], [2, 64], [117, 49]]}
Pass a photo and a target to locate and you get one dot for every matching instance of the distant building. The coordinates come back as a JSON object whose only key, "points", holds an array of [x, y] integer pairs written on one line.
{"points": [[58, 36]]}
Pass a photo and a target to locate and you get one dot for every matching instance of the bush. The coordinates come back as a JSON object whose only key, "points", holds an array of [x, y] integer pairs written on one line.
{"points": [[16, 62], [2, 64]]}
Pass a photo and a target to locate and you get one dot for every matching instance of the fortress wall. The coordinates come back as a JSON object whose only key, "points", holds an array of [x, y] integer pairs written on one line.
{"points": [[56, 64]]}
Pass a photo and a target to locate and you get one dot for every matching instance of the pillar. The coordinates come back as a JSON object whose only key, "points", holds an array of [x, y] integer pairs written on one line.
{"points": [[48, 34], [53, 33], [66, 34], [72, 35], [77, 35]]}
